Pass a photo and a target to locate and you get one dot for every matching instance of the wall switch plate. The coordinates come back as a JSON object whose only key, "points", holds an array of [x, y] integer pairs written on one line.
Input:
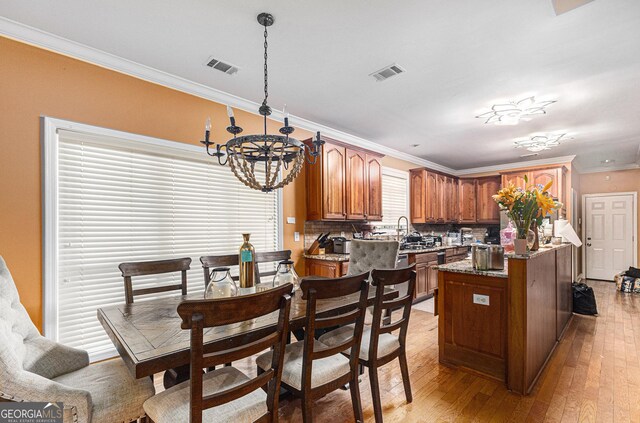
{"points": [[481, 299], [291, 220], [296, 236]]}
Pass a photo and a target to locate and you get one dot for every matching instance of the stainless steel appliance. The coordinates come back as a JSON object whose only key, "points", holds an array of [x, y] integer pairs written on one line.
{"points": [[496, 257], [487, 257], [341, 245]]}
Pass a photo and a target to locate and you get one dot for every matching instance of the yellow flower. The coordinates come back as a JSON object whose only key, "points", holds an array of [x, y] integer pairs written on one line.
{"points": [[546, 187], [545, 202], [507, 196]]}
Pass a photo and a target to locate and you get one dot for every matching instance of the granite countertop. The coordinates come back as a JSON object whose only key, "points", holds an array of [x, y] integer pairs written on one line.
{"points": [[464, 266], [345, 257], [543, 249], [328, 257]]}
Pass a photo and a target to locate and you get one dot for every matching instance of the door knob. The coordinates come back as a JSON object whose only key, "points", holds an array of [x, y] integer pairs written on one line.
{"points": [[588, 244]]}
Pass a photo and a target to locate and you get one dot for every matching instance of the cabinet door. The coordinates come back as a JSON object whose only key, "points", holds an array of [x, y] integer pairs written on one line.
{"points": [[355, 185], [374, 191], [333, 182], [516, 178], [431, 197], [441, 204], [455, 201], [417, 190], [432, 277], [543, 176], [488, 210], [422, 284], [327, 269], [467, 188]]}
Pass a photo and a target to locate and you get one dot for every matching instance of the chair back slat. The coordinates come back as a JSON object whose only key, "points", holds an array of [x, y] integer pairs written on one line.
{"points": [[228, 260], [238, 391], [386, 278], [197, 315], [156, 267], [315, 289], [251, 348]]}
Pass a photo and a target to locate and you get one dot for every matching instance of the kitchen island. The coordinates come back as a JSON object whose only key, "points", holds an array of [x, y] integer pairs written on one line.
{"points": [[505, 324]]}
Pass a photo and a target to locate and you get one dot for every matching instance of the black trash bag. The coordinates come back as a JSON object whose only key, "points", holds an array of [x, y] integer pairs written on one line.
{"points": [[633, 272], [584, 301]]}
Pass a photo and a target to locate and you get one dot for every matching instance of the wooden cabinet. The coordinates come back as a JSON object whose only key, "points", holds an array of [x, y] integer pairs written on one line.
{"points": [[356, 178], [325, 268], [540, 177], [467, 200], [345, 184], [488, 210], [431, 197], [417, 191], [451, 200], [422, 284], [374, 191], [426, 274]]}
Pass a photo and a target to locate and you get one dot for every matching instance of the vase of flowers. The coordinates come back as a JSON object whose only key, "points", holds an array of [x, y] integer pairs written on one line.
{"points": [[526, 207]]}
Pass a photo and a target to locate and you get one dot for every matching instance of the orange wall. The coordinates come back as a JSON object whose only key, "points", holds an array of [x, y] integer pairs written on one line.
{"points": [[35, 83], [618, 181]]}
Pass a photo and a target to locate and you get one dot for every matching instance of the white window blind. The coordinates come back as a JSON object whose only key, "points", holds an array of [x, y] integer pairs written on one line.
{"points": [[120, 204], [395, 197]]}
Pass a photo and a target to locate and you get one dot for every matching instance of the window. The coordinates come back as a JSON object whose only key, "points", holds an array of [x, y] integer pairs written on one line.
{"points": [[120, 200], [395, 196]]}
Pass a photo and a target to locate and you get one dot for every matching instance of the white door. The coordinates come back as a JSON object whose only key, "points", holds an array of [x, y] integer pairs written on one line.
{"points": [[609, 234]]}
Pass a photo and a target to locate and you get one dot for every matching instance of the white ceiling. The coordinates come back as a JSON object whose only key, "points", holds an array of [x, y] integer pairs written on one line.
{"points": [[461, 57]]}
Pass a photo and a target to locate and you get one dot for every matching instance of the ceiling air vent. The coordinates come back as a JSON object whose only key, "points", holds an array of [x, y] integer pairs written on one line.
{"points": [[227, 68], [387, 72]]}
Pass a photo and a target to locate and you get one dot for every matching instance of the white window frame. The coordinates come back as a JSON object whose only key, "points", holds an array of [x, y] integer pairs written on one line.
{"points": [[401, 174], [50, 146]]}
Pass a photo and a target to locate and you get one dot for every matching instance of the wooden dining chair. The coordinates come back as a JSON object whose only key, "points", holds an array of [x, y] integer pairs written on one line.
{"points": [[227, 394], [144, 268], [379, 345], [311, 369], [227, 260]]}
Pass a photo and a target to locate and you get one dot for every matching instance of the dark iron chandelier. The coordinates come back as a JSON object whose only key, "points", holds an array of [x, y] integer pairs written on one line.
{"points": [[281, 156]]}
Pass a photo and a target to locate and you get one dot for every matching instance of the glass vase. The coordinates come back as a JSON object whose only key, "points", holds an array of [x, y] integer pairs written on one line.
{"points": [[221, 285], [286, 274]]}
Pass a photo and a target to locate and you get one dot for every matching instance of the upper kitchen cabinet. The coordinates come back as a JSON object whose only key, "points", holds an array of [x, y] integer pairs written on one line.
{"points": [[345, 184], [417, 192], [356, 185], [374, 193], [467, 193], [488, 210], [540, 177]]}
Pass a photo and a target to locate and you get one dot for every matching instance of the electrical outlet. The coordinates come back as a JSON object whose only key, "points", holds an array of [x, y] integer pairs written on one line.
{"points": [[481, 299], [291, 220], [296, 236]]}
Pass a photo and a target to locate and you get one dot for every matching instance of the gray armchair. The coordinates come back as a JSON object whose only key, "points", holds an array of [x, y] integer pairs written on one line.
{"points": [[368, 255], [34, 368]]}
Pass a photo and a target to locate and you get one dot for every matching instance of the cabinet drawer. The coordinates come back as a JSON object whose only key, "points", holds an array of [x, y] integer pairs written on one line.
{"points": [[426, 257], [457, 251]]}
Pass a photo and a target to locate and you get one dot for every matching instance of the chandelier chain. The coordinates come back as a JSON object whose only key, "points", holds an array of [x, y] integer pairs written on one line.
{"points": [[266, 83]]}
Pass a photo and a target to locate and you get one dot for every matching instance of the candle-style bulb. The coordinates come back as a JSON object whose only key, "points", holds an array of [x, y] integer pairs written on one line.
{"points": [[207, 125], [286, 116], [229, 111]]}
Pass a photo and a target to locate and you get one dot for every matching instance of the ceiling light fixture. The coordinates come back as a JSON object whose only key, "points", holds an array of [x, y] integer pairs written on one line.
{"points": [[514, 111], [540, 142], [277, 153]]}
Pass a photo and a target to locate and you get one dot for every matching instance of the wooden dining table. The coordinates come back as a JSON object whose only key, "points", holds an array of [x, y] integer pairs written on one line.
{"points": [[148, 336]]}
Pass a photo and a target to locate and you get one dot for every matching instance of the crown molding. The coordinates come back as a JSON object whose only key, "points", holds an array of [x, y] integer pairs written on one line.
{"points": [[38, 38], [601, 169], [509, 166]]}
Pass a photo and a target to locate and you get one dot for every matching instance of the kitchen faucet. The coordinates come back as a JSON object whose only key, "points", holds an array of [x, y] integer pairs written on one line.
{"points": [[398, 229]]}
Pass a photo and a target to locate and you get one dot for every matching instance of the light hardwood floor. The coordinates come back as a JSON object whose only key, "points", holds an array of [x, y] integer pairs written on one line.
{"points": [[593, 376]]}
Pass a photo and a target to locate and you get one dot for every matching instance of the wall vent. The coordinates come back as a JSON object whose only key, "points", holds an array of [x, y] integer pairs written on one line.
{"points": [[218, 64], [387, 72]]}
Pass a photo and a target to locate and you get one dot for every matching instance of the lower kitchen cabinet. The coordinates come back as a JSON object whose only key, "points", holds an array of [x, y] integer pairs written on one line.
{"points": [[326, 268]]}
